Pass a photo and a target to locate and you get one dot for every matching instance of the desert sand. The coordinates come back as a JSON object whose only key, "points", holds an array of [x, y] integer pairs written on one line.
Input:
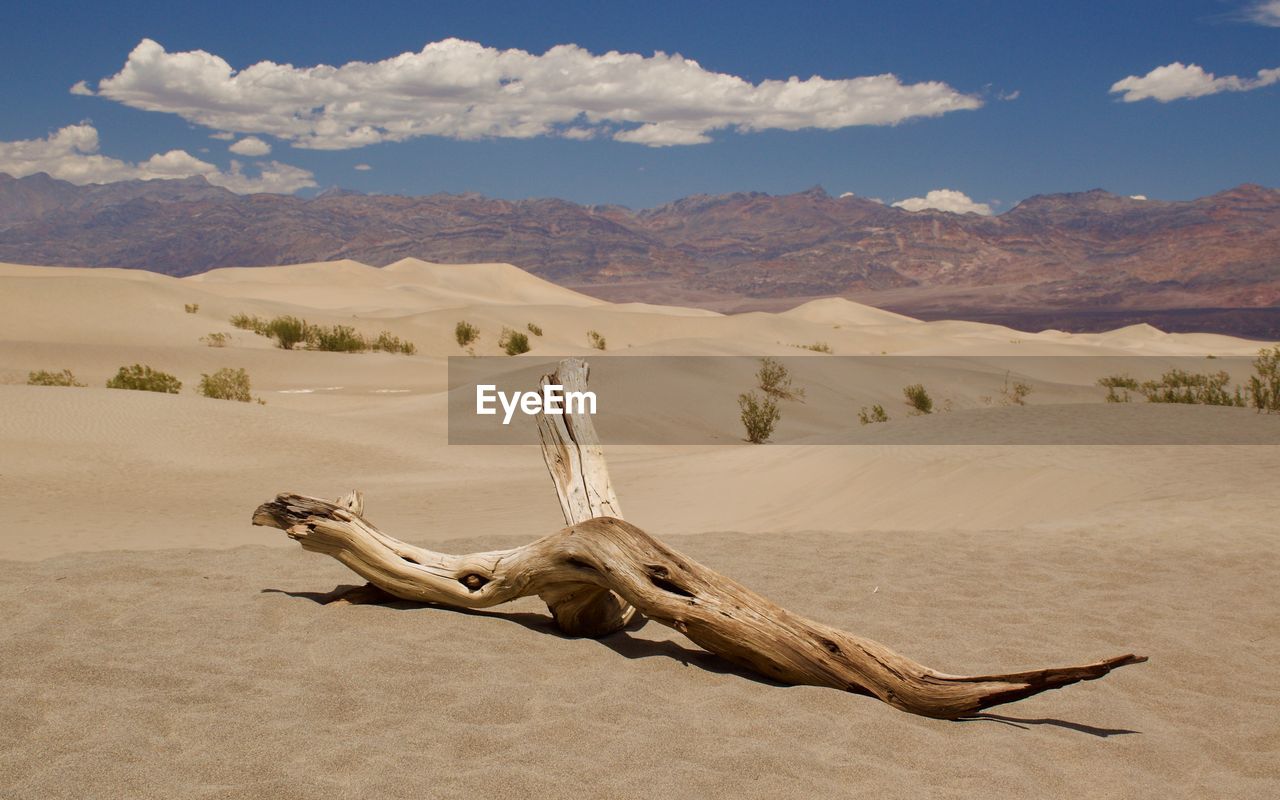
{"points": [[156, 645]]}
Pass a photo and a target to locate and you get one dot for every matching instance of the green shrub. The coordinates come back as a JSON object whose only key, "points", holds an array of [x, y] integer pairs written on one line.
{"points": [[247, 323], [817, 347], [775, 380], [918, 398], [337, 339], [876, 414], [1180, 386], [1264, 384], [288, 331], [465, 333], [1122, 382], [535, 329], [513, 343], [596, 340], [192, 308], [216, 339], [46, 378], [388, 343], [759, 416], [226, 384], [144, 379]]}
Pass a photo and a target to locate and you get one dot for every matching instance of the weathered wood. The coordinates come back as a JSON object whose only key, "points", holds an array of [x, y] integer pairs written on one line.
{"points": [[575, 460], [595, 574], [573, 454], [713, 611]]}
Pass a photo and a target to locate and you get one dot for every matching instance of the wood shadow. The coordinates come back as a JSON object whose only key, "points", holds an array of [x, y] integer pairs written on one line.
{"points": [[1025, 723], [620, 642]]}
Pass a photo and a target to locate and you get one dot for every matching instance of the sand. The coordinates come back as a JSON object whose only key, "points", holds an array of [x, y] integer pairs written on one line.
{"points": [[156, 645]]}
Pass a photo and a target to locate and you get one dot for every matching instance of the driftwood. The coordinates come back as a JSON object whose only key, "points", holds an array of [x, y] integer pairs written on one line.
{"points": [[597, 572]]}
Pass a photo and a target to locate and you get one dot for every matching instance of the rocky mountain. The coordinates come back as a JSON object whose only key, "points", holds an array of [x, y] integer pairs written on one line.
{"points": [[1052, 255]]}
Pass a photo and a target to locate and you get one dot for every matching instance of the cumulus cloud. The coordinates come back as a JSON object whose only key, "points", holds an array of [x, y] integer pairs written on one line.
{"points": [[464, 90], [81, 88], [71, 154], [362, 167], [1178, 81], [250, 146], [1137, 197], [945, 200], [1264, 12]]}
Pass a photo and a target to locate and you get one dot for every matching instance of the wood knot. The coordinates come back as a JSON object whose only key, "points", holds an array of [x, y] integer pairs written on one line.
{"points": [[473, 582]]}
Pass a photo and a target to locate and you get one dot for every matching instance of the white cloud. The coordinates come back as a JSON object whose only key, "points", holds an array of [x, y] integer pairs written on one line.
{"points": [[1137, 197], [71, 154], [1263, 12], [250, 146], [1178, 81], [224, 136], [945, 200], [463, 90], [81, 88], [362, 167]]}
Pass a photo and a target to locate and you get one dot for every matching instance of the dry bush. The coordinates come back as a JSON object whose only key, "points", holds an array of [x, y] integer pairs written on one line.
{"points": [[465, 333], [876, 414], [759, 416], [918, 399], [534, 328], [596, 340], [389, 343], [46, 378], [513, 343], [226, 384], [144, 379], [216, 339], [775, 380]]}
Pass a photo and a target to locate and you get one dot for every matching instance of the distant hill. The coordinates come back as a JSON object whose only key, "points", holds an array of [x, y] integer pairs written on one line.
{"points": [[1075, 260]]}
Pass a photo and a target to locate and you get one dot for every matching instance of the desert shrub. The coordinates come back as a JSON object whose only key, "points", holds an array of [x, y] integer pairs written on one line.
{"points": [[389, 343], [336, 339], [46, 378], [775, 380], [876, 414], [1015, 394], [817, 347], [918, 399], [534, 328], [226, 384], [596, 340], [1123, 383], [513, 343], [191, 308], [1264, 384], [759, 416], [465, 333], [288, 331], [247, 323], [1180, 386], [216, 339], [144, 379]]}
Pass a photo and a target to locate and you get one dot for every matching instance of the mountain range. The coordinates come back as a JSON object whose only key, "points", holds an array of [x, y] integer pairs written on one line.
{"points": [[1079, 261]]}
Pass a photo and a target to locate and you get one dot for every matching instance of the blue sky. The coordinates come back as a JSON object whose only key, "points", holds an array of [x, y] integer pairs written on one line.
{"points": [[994, 100]]}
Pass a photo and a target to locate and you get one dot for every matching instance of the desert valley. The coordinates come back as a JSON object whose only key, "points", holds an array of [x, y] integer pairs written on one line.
{"points": [[138, 592]]}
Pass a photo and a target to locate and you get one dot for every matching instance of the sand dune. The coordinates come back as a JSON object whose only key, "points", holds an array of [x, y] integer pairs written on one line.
{"points": [[153, 648]]}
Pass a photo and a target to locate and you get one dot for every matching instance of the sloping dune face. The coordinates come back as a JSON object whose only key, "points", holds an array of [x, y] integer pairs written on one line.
{"points": [[407, 285], [134, 567]]}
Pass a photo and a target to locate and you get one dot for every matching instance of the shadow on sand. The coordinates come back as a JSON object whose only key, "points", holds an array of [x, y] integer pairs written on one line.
{"points": [[631, 647]]}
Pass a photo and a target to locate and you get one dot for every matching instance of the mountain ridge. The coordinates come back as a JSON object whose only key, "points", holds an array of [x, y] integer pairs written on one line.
{"points": [[1063, 253]]}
